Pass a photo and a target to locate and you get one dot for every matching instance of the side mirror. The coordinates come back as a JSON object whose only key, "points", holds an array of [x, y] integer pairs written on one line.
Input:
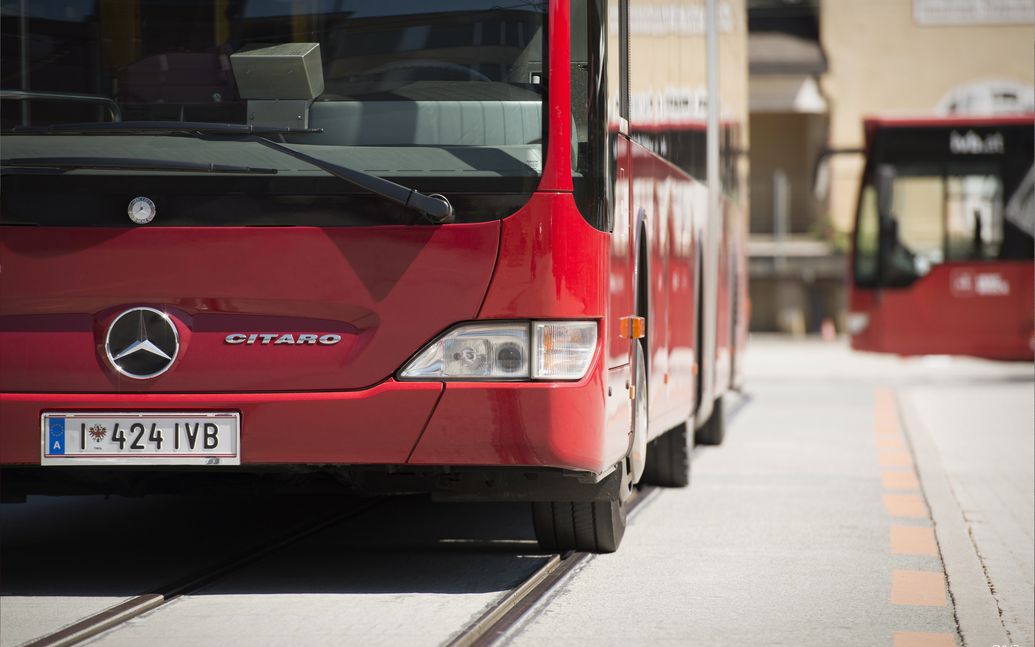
{"points": [[821, 177], [821, 169]]}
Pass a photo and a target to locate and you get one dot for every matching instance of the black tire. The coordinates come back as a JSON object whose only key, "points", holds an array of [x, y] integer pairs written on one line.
{"points": [[668, 459], [713, 431], [587, 526], [593, 526]]}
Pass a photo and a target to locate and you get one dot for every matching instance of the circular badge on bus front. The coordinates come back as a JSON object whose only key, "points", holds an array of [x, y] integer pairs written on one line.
{"points": [[142, 343], [141, 210]]}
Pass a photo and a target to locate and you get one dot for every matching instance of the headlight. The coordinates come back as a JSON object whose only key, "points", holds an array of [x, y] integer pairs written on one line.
{"points": [[538, 350], [856, 322], [475, 351]]}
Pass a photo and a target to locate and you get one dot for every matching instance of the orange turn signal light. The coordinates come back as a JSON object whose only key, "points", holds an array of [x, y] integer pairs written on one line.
{"points": [[632, 327]]}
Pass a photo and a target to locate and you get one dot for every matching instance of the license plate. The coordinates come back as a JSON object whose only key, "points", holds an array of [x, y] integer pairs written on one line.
{"points": [[92, 438]]}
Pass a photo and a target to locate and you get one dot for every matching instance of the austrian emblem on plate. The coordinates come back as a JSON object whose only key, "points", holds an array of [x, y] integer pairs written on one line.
{"points": [[98, 432]]}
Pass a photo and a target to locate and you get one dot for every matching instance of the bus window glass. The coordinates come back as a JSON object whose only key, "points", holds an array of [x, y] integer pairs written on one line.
{"points": [[580, 86], [974, 217], [436, 95], [941, 213], [590, 161], [959, 194], [917, 207]]}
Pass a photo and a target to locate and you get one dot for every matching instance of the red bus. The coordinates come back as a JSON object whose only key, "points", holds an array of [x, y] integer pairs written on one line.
{"points": [[943, 242], [412, 247]]}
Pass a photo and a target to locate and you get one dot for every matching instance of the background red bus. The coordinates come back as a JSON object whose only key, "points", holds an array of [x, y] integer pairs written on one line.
{"points": [[943, 244]]}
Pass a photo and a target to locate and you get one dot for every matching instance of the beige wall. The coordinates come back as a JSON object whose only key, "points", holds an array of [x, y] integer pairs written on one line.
{"points": [[733, 63], [881, 62], [787, 141], [668, 43]]}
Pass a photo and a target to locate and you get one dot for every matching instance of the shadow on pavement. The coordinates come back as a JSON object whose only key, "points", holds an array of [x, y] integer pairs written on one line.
{"points": [[92, 546]]}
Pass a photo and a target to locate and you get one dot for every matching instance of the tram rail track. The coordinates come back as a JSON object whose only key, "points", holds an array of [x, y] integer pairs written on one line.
{"points": [[491, 625]]}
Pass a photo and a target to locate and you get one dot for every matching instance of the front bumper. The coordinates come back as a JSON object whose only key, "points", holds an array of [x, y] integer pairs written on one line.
{"points": [[561, 425]]}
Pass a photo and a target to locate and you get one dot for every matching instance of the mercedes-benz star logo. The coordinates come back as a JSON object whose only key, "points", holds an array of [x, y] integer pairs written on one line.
{"points": [[142, 343]]}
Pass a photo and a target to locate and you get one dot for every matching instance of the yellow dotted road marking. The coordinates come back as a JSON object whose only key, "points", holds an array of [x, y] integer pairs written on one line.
{"points": [[900, 481], [918, 588], [902, 498], [923, 639], [896, 459], [905, 505], [890, 441], [911, 540]]}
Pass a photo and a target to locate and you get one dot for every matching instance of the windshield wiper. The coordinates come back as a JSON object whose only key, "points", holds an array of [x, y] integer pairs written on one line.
{"points": [[434, 207], [62, 164]]}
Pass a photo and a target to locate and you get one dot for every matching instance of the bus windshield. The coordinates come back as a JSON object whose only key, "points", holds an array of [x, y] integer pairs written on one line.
{"points": [[451, 90], [949, 194]]}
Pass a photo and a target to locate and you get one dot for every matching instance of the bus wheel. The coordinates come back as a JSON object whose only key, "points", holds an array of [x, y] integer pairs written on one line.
{"points": [[586, 526], [713, 431], [668, 459]]}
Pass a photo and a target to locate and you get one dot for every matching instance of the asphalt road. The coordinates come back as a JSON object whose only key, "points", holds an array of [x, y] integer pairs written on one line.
{"points": [[858, 500]]}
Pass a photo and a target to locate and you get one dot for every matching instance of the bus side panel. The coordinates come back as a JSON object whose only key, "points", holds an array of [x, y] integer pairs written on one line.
{"points": [[681, 281], [650, 222], [724, 303], [663, 198], [621, 287], [742, 305], [722, 307]]}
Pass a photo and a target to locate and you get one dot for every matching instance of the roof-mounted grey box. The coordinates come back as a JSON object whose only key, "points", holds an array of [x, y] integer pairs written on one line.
{"points": [[285, 71]]}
